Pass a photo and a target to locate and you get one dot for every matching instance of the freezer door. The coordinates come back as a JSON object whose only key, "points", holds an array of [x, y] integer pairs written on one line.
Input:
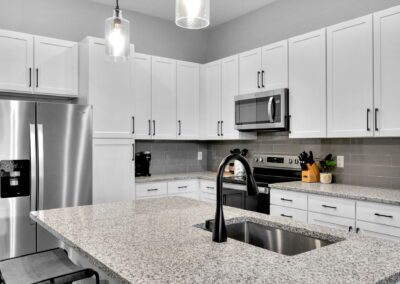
{"points": [[64, 138], [17, 176]]}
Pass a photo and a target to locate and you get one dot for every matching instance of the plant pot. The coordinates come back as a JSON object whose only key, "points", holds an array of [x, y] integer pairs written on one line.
{"points": [[326, 178]]}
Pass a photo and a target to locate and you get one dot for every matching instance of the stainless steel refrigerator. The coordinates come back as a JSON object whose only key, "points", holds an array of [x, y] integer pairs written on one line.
{"points": [[45, 163]]}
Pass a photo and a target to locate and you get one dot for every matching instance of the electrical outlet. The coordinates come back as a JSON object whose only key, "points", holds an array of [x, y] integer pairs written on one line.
{"points": [[340, 161], [199, 156]]}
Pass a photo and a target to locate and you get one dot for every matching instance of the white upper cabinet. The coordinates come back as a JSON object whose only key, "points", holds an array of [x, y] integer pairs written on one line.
{"points": [[350, 78], [164, 122], [211, 110], [274, 73], [264, 68], [16, 61], [229, 89], [250, 71], [56, 66], [107, 85], [387, 70], [307, 84], [38, 65], [188, 77], [142, 91]]}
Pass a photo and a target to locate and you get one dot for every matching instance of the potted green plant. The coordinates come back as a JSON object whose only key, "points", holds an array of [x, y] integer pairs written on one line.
{"points": [[327, 166]]}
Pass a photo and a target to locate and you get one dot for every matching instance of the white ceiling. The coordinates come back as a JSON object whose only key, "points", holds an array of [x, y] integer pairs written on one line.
{"points": [[221, 10]]}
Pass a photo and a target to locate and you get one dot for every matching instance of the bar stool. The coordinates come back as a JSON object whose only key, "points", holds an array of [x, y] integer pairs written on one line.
{"points": [[48, 267]]}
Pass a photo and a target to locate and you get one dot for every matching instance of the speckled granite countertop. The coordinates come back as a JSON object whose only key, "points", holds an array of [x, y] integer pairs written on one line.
{"points": [[177, 176], [381, 195], [154, 241]]}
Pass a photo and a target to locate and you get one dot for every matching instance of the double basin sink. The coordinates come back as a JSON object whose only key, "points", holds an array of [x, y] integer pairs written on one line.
{"points": [[271, 238]]}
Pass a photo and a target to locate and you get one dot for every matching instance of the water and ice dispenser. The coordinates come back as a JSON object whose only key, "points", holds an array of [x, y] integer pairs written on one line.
{"points": [[14, 178]]}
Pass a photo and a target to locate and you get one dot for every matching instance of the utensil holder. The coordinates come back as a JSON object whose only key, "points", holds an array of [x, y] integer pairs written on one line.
{"points": [[310, 175]]}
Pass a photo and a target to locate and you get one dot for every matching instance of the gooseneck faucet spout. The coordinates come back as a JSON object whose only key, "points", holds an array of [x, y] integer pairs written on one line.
{"points": [[219, 231]]}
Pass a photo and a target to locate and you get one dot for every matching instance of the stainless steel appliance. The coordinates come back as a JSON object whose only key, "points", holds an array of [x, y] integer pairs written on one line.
{"points": [[267, 111], [267, 169], [45, 163]]}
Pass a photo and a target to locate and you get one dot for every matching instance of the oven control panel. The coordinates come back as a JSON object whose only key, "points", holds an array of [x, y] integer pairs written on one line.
{"points": [[276, 161]]}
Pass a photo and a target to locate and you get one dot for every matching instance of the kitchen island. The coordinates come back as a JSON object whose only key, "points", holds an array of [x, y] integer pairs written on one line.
{"points": [[156, 241]]}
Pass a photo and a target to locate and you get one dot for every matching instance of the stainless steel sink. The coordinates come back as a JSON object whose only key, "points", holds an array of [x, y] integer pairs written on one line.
{"points": [[270, 238]]}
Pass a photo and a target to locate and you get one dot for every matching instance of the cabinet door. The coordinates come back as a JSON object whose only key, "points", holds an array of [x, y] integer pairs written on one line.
{"points": [[16, 61], [307, 84], [188, 76], [111, 94], [289, 213], [350, 78], [378, 230], [229, 89], [113, 170], [250, 71], [56, 66], [274, 73], [233, 198], [211, 111], [142, 90], [330, 221], [163, 98], [387, 70]]}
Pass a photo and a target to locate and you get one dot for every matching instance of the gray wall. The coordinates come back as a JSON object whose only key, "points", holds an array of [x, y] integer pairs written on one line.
{"points": [[75, 19], [284, 19], [368, 162]]}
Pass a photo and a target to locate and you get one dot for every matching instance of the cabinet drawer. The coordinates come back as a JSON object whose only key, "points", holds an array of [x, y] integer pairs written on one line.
{"points": [[290, 213], [378, 213], [208, 186], [332, 206], [289, 199], [151, 189], [379, 231], [331, 221], [182, 186]]}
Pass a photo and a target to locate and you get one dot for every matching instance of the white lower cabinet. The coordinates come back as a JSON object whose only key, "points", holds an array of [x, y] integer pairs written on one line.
{"points": [[152, 189], [290, 213], [113, 170], [337, 207], [208, 191], [331, 221], [185, 188], [378, 220]]}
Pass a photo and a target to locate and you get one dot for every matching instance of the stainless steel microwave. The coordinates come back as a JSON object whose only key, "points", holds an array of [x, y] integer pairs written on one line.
{"points": [[262, 111]]}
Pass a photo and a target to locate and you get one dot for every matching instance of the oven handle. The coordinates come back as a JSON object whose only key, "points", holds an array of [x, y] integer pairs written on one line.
{"points": [[271, 109]]}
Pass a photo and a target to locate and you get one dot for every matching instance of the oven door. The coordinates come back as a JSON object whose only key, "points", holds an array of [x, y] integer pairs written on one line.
{"points": [[267, 110]]}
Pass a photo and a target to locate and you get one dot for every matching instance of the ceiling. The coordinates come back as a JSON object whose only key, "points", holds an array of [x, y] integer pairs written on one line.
{"points": [[221, 10]]}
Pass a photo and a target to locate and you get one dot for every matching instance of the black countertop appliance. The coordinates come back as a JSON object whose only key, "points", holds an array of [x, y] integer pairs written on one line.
{"points": [[142, 164]]}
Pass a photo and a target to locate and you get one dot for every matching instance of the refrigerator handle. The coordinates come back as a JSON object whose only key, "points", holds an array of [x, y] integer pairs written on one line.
{"points": [[40, 154], [32, 136]]}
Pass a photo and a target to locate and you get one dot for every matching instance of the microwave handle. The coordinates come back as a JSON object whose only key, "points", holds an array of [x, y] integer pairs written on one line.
{"points": [[271, 109]]}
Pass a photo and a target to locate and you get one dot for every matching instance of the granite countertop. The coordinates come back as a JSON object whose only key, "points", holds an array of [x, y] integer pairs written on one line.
{"points": [[177, 176], [373, 194], [155, 241]]}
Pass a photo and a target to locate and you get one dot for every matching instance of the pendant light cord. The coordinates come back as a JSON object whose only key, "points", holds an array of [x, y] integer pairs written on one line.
{"points": [[117, 6]]}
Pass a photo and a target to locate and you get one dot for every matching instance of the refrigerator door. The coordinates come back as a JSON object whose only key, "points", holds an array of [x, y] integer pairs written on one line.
{"points": [[17, 175], [64, 138]]}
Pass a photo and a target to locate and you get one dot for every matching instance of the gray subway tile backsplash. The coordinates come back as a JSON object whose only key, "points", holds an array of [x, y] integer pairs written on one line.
{"points": [[368, 161]]}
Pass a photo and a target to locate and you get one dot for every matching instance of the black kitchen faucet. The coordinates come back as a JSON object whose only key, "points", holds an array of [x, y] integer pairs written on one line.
{"points": [[219, 232]]}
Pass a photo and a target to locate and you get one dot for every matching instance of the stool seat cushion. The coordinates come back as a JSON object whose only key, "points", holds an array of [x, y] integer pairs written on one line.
{"points": [[40, 266]]}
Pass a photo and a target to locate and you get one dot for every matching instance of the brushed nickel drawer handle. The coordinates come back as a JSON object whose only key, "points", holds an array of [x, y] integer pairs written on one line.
{"points": [[182, 187], [330, 207], [210, 187], [287, 216], [152, 189], [288, 200], [382, 215]]}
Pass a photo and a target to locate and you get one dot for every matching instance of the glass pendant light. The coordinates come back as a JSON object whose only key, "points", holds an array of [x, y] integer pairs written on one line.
{"points": [[192, 14], [117, 36]]}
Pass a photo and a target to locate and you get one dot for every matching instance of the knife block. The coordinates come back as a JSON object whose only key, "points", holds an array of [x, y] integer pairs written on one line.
{"points": [[310, 175]]}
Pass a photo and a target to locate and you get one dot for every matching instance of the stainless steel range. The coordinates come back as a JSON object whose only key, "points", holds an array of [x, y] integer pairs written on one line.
{"points": [[267, 169]]}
